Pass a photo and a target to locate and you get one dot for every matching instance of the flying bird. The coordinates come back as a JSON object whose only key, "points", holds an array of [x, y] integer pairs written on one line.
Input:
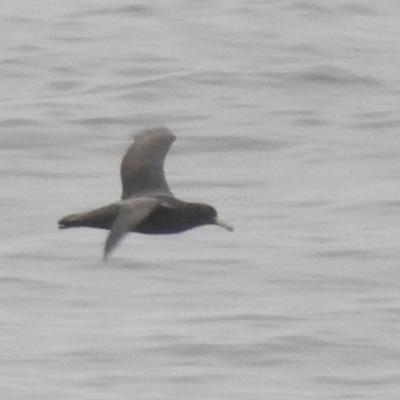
{"points": [[147, 204]]}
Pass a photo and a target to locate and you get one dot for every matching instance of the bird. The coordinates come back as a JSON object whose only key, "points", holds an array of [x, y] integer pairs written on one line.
{"points": [[147, 204]]}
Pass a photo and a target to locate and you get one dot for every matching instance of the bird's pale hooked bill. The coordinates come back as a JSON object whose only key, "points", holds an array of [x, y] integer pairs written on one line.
{"points": [[224, 223]]}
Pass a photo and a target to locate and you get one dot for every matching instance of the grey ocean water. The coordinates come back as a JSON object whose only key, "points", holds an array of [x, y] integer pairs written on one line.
{"points": [[287, 117]]}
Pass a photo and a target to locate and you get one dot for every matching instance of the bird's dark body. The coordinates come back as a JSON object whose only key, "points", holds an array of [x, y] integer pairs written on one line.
{"points": [[176, 216], [170, 216]]}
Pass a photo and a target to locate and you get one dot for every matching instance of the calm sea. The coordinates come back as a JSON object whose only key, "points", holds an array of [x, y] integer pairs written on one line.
{"points": [[287, 117]]}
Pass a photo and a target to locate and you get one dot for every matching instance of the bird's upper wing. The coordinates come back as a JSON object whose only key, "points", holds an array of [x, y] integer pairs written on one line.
{"points": [[131, 213], [142, 168]]}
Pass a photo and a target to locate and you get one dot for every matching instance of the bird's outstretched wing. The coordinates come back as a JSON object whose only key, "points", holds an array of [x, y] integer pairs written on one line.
{"points": [[132, 212], [142, 168]]}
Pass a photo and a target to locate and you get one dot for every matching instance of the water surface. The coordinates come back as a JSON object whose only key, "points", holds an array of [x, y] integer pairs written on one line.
{"points": [[287, 121]]}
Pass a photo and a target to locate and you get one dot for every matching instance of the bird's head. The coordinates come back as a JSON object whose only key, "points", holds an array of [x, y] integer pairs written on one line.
{"points": [[209, 216]]}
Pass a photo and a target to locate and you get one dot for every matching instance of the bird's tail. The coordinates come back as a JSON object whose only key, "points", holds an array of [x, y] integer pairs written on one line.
{"points": [[71, 221], [102, 218]]}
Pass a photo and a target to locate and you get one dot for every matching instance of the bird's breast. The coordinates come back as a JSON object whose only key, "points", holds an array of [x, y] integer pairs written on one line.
{"points": [[166, 220]]}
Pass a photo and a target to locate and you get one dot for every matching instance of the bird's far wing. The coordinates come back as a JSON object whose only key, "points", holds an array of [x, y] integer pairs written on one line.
{"points": [[142, 168], [131, 213]]}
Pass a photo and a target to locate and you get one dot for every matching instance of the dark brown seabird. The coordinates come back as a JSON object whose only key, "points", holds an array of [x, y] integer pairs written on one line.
{"points": [[147, 205]]}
